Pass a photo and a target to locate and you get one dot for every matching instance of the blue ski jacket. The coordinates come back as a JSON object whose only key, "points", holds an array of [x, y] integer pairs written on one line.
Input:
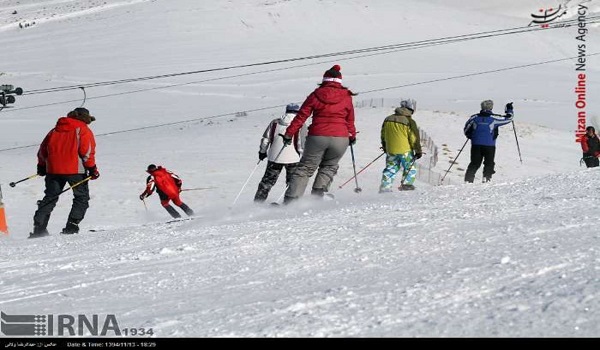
{"points": [[482, 128]]}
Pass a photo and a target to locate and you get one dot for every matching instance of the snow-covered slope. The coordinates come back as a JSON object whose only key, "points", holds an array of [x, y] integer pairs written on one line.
{"points": [[517, 257], [510, 259]]}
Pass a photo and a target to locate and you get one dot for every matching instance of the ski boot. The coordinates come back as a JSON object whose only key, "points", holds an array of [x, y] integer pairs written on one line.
{"points": [[39, 232], [72, 227], [406, 187]]}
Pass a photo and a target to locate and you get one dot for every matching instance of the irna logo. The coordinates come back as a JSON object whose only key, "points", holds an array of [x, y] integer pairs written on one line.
{"points": [[59, 325]]}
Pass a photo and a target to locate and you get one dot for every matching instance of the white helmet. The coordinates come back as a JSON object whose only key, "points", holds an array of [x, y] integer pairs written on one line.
{"points": [[409, 103]]}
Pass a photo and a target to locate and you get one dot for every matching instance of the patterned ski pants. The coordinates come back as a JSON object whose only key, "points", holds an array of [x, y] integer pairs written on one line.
{"points": [[393, 163], [270, 178]]}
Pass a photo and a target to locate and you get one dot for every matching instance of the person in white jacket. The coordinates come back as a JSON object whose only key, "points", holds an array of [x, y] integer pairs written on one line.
{"points": [[278, 156]]}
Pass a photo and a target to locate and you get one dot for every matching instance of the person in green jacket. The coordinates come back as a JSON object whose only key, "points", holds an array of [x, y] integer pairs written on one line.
{"points": [[401, 142]]}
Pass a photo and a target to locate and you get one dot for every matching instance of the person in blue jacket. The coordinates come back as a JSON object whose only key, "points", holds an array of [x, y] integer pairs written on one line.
{"points": [[482, 130]]}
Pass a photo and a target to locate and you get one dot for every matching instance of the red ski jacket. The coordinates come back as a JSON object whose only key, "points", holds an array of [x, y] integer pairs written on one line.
{"points": [[590, 145], [165, 181], [332, 112], [69, 148]]}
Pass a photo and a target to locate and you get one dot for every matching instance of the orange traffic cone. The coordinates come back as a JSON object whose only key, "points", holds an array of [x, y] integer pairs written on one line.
{"points": [[3, 226]]}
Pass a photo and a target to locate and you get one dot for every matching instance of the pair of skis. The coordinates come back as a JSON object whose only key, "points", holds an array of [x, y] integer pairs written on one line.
{"points": [[326, 195], [168, 223]]}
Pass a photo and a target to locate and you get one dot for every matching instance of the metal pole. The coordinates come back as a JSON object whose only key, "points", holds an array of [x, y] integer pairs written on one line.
{"points": [[454, 161], [361, 170], [244, 186], [280, 151], [197, 189], [517, 139], [65, 190], [13, 184], [357, 189], [405, 172]]}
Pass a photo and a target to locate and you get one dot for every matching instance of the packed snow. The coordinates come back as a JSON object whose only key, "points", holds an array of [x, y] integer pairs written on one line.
{"points": [[517, 257]]}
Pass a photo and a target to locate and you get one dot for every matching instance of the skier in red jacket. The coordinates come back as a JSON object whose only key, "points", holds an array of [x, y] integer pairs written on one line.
{"points": [[67, 155], [329, 135], [168, 187], [590, 145]]}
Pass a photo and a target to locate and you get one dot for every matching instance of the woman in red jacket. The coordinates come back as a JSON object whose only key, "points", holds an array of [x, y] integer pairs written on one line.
{"points": [[329, 135]]}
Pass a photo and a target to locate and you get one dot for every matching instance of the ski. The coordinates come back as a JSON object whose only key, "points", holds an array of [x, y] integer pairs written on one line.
{"points": [[181, 220], [172, 221]]}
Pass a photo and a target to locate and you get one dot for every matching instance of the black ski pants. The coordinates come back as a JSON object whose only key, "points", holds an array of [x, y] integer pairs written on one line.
{"points": [[55, 185], [270, 178], [480, 154], [591, 161]]}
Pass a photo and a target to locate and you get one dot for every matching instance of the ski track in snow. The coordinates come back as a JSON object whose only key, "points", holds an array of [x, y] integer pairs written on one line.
{"points": [[43, 12]]}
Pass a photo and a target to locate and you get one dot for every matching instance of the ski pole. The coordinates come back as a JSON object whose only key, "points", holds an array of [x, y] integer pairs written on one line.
{"points": [[454, 161], [280, 151], [197, 189], [361, 170], [287, 185], [75, 185], [244, 186], [13, 184], [282, 193], [145, 206], [517, 139], [63, 191], [405, 172], [515, 130], [357, 189]]}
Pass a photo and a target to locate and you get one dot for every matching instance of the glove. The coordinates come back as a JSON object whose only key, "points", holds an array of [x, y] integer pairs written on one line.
{"points": [[41, 170], [287, 140], [351, 141], [382, 147], [418, 155], [508, 109], [143, 196], [93, 172], [262, 156]]}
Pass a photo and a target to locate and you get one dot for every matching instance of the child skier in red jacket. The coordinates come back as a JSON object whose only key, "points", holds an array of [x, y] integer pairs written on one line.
{"points": [[168, 186]]}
